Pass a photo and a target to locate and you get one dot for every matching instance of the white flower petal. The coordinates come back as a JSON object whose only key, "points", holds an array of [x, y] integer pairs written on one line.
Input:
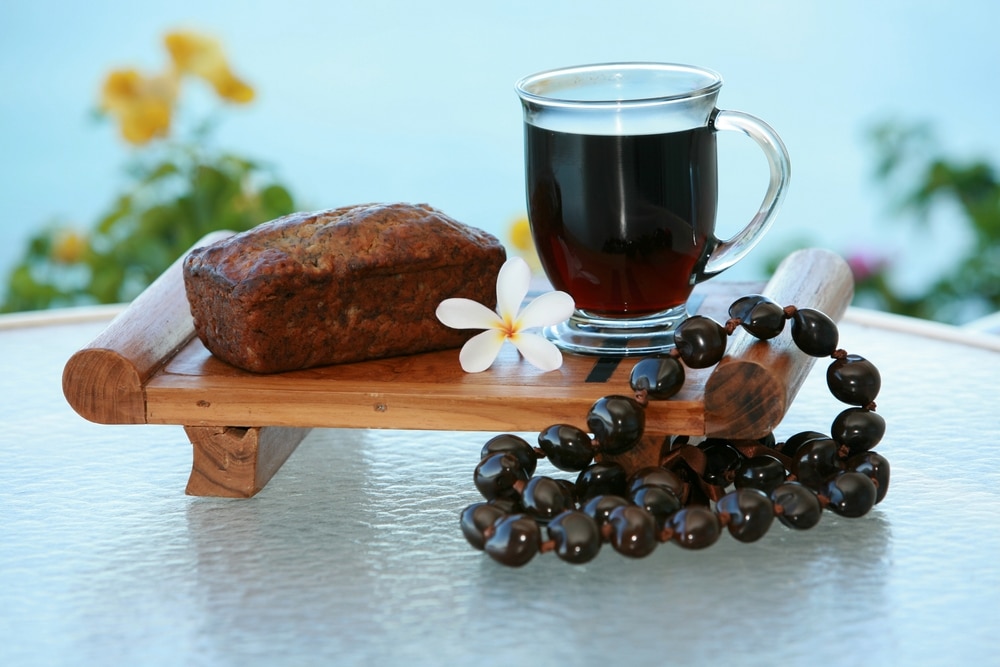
{"points": [[512, 286], [466, 314], [538, 351], [480, 351], [546, 309]]}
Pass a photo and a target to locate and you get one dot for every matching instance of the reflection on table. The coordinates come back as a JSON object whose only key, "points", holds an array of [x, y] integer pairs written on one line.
{"points": [[352, 553]]}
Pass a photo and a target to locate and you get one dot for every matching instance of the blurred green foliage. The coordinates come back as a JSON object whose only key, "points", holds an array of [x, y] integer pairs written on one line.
{"points": [[173, 200], [920, 180], [177, 190]]}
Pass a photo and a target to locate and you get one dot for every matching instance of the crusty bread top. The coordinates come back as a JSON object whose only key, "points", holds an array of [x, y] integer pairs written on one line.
{"points": [[367, 239]]}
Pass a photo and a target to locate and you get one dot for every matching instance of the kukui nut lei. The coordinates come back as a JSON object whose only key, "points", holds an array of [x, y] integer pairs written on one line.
{"points": [[686, 499]]}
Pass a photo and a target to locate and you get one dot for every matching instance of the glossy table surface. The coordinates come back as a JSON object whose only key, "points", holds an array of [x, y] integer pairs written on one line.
{"points": [[353, 555]]}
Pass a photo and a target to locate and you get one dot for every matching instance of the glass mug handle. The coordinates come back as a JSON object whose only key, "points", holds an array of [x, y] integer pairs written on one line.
{"points": [[732, 250]]}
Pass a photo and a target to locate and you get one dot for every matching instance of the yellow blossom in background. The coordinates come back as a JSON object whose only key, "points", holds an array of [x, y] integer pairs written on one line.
{"points": [[519, 234], [142, 104], [68, 246], [177, 188], [202, 56]]}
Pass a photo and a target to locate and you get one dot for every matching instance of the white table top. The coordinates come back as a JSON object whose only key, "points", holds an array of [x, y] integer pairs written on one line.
{"points": [[353, 555]]}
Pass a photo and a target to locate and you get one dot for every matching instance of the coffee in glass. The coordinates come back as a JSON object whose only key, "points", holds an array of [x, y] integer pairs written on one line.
{"points": [[622, 188]]}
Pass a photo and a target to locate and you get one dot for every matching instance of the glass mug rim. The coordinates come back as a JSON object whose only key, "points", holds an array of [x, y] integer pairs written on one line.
{"points": [[672, 82]]}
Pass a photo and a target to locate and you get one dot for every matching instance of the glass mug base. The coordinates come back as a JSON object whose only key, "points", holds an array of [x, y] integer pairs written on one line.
{"points": [[585, 333]]}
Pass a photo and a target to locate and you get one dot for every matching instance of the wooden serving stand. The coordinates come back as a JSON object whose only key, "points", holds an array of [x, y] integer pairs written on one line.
{"points": [[149, 367]]}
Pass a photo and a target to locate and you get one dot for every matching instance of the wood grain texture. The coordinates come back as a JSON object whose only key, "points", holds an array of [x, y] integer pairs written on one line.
{"points": [[149, 367], [104, 382], [425, 392], [750, 390], [233, 462]]}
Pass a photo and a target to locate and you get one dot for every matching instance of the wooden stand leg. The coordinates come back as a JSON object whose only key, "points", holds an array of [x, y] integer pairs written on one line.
{"points": [[234, 462]]}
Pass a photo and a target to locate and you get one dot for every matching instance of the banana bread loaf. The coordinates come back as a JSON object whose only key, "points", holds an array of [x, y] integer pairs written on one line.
{"points": [[343, 285]]}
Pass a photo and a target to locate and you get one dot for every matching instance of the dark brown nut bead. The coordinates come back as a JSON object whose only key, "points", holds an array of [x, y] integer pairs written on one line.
{"points": [[796, 506], [853, 380], [700, 341], [695, 527], [749, 513], [515, 540], [814, 333], [658, 378], [858, 428]]}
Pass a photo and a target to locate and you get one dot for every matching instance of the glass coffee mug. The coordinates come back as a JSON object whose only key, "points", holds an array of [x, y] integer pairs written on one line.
{"points": [[622, 189]]}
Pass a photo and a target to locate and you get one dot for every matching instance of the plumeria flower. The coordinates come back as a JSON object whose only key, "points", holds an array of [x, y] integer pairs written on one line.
{"points": [[508, 322]]}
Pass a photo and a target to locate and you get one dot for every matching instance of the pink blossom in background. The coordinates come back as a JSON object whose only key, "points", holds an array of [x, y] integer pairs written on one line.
{"points": [[866, 263]]}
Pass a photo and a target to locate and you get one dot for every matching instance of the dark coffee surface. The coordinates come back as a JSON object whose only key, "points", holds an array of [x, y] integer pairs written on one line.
{"points": [[621, 222]]}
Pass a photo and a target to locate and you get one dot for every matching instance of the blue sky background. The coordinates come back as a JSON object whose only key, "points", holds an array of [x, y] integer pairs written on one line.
{"points": [[413, 101]]}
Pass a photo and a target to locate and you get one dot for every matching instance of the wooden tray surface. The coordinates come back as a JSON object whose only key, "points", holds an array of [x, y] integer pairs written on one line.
{"points": [[149, 367]]}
